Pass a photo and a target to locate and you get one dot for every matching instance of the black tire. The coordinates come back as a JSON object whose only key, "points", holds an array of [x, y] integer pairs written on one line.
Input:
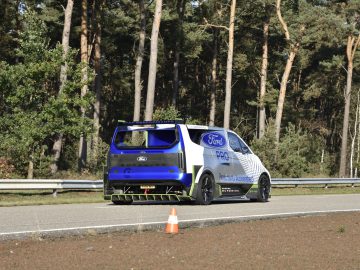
{"points": [[205, 190], [264, 187]]}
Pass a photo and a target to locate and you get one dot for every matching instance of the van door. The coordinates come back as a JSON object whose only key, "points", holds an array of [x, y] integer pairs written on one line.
{"points": [[215, 154], [241, 161]]}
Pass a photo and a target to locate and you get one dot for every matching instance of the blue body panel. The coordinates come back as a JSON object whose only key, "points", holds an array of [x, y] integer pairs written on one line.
{"points": [[149, 173]]}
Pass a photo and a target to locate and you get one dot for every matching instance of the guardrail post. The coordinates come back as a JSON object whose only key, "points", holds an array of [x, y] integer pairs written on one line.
{"points": [[326, 186], [54, 193]]}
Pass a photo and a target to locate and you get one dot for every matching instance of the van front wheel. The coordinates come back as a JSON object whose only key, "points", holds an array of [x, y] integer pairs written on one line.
{"points": [[205, 190], [264, 188]]}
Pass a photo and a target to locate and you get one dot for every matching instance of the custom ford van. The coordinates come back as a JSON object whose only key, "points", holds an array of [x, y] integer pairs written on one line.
{"points": [[171, 161]]}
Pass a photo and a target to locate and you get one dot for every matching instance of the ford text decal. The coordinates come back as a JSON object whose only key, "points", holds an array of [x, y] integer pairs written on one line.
{"points": [[142, 159], [213, 139]]}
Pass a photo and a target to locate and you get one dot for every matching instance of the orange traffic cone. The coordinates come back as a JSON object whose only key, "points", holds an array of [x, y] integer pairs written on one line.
{"points": [[172, 224]]}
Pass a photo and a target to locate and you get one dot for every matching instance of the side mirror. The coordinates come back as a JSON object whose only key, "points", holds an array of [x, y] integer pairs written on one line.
{"points": [[237, 149]]}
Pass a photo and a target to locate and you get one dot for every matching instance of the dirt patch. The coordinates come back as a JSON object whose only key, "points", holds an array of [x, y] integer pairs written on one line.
{"points": [[319, 242]]}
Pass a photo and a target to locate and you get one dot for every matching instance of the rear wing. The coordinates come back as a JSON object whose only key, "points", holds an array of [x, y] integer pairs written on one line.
{"points": [[143, 123]]}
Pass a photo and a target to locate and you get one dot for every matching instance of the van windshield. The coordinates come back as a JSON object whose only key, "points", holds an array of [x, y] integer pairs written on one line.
{"points": [[145, 138]]}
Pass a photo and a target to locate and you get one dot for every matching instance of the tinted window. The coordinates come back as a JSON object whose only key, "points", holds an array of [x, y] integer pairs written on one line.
{"points": [[151, 138], [237, 144], [244, 148], [195, 134], [234, 142]]}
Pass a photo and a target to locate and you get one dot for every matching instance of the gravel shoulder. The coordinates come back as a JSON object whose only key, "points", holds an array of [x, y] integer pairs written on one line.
{"points": [[313, 242]]}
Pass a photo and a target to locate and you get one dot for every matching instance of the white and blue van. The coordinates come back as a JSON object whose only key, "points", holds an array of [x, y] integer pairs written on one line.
{"points": [[171, 161]]}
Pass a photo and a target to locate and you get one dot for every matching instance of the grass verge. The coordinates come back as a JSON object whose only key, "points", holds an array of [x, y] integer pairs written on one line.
{"points": [[34, 197], [314, 190]]}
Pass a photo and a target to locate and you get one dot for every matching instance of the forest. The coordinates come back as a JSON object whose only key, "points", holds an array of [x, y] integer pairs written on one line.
{"points": [[283, 74]]}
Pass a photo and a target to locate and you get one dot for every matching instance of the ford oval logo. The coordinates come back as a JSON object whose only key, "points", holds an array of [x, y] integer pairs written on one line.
{"points": [[142, 159], [214, 139]]}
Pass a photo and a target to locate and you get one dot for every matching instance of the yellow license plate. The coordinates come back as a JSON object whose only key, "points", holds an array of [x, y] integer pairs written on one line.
{"points": [[147, 187]]}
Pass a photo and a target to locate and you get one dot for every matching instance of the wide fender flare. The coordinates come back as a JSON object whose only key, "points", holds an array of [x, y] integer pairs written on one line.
{"points": [[202, 171], [198, 172]]}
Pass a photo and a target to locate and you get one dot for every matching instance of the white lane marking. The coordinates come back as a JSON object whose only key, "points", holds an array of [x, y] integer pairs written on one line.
{"points": [[288, 214], [84, 228], [108, 207]]}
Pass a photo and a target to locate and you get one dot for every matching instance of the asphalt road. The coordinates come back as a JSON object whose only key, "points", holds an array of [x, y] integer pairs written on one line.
{"points": [[24, 221]]}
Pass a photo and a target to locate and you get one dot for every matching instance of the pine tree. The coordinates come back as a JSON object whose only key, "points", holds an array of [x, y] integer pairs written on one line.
{"points": [[228, 86], [56, 149], [153, 62], [139, 61]]}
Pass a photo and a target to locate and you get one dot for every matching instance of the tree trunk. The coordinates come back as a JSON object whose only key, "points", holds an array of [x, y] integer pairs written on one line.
{"points": [[139, 61], [56, 150], [357, 148], [30, 172], [179, 36], [65, 42], [84, 79], [283, 86], [289, 63], [229, 67], [213, 80], [344, 138], [98, 82], [153, 62], [351, 48], [354, 137], [263, 74]]}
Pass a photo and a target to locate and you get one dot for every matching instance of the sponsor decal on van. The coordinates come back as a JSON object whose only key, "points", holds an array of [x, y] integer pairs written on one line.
{"points": [[222, 156], [213, 139], [236, 179]]}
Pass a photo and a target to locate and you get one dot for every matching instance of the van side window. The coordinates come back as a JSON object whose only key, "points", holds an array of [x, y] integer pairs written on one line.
{"points": [[234, 142], [244, 148], [237, 144], [195, 134]]}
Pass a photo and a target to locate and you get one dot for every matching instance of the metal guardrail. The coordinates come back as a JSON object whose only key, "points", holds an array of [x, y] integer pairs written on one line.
{"points": [[54, 184], [58, 184], [313, 181], [8, 184]]}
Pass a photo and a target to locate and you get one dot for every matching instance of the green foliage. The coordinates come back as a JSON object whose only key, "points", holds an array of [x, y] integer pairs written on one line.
{"points": [[96, 165], [194, 37], [6, 168], [297, 154], [169, 113], [32, 40], [33, 111]]}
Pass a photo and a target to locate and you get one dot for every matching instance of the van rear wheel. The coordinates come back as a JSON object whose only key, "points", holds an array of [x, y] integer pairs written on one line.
{"points": [[205, 190]]}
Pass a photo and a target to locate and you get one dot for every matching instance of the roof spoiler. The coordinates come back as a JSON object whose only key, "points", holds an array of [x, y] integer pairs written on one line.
{"points": [[143, 123]]}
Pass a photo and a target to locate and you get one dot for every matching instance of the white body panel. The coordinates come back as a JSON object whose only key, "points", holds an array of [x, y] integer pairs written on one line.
{"points": [[226, 165]]}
